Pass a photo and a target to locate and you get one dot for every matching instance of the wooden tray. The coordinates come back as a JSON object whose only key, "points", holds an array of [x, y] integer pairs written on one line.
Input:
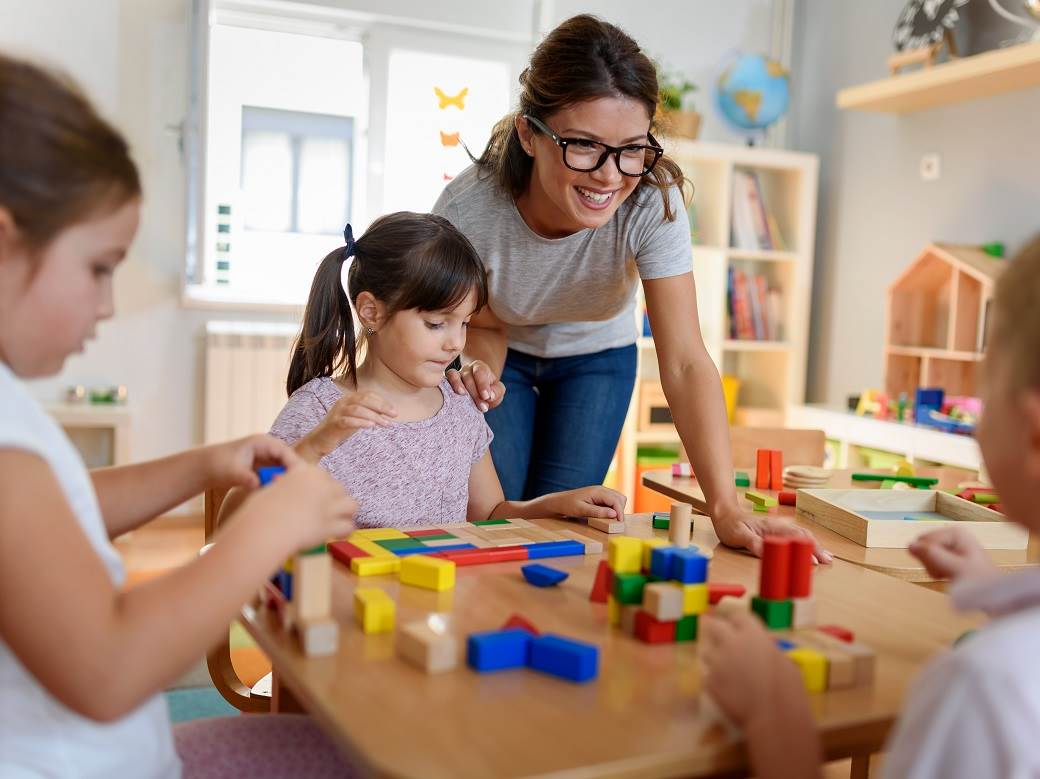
{"points": [[876, 518]]}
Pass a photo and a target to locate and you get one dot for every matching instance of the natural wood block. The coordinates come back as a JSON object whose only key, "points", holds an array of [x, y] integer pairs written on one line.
{"points": [[863, 657], [803, 612], [607, 525], [591, 545], [312, 587], [664, 601], [432, 650], [318, 637], [680, 525]]}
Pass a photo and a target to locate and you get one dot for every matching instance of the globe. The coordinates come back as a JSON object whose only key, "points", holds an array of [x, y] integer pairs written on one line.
{"points": [[751, 93]]}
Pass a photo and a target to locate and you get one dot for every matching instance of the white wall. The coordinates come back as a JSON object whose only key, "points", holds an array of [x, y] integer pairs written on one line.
{"points": [[875, 212]]}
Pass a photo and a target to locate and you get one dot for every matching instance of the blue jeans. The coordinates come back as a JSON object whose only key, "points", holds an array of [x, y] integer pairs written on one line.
{"points": [[559, 424]]}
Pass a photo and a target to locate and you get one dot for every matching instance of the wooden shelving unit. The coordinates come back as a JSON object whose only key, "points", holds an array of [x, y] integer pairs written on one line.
{"points": [[967, 78], [771, 373], [936, 320]]}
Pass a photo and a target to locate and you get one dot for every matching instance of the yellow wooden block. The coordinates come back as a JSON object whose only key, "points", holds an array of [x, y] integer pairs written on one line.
{"points": [[813, 666], [429, 572], [625, 555], [695, 599], [371, 547], [374, 610], [649, 545], [375, 566], [613, 611], [376, 534]]}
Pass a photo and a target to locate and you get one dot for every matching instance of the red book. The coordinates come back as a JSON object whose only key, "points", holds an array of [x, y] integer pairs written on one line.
{"points": [[742, 307]]}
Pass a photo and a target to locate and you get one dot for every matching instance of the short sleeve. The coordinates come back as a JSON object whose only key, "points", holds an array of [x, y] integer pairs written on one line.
{"points": [[301, 414], [663, 248], [482, 440]]}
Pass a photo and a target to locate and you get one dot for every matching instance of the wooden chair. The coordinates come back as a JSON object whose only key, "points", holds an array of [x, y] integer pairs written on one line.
{"points": [[800, 447], [218, 660]]}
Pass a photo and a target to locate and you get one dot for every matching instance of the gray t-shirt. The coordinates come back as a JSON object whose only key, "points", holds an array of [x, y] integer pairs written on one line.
{"points": [[560, 297]]}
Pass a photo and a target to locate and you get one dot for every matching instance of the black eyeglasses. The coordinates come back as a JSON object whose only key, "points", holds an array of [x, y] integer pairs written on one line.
{"points": [[585, 156]]}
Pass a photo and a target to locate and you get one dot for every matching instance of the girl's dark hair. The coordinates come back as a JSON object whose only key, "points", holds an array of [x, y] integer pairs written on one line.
{"points": [[583, 59], [59, 160], [406, 260]]}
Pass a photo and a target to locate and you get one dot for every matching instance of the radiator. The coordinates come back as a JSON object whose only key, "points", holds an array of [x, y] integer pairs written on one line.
{"points": [[246, 366]]}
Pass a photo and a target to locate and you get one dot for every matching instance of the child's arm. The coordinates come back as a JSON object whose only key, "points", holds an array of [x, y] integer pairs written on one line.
{"points": [[102, 652], [953, 553], [487, 501], [761, 691], [131, 495]]}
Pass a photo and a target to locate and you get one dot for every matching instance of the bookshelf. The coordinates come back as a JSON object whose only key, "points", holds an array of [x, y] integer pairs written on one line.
{"points": [[771, 371]]}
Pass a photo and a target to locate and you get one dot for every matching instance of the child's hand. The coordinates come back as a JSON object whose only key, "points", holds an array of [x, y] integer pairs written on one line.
{"points": [[348, 415], [234, 464], [587, 502], [952, 553], [747, 676], [306, 501]]}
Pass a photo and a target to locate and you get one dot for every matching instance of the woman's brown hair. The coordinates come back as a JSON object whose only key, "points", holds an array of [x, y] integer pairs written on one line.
{"points": [[60, 161], [583, 59], [406, 260]]}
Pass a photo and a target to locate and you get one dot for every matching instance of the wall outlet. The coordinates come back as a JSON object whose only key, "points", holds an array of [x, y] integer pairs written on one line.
{"points": [[931, 167]]}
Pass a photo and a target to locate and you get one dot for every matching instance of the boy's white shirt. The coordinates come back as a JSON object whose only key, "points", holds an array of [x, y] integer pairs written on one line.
{"points": [[975, 711], [39, 736]]}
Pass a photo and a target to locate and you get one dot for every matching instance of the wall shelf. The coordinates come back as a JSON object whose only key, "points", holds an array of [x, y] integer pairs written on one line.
{"points": [[981, 75]]}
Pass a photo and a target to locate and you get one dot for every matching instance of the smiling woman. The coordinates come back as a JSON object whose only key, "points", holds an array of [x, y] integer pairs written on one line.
{"points": [[572, 204]]}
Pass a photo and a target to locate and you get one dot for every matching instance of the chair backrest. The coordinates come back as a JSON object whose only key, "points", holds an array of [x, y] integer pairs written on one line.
{"points": [[800, 447], [213, 498]]}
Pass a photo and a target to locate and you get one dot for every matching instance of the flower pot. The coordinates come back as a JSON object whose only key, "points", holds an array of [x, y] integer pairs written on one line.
{"points": [[683, 124]]}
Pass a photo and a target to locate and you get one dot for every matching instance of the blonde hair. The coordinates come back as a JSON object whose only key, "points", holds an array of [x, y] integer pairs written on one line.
{"points": [[1017, 316]]}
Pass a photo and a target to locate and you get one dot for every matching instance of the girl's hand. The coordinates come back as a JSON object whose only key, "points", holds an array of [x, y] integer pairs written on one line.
{"points": [[307, 503], [234, 464], [480, 382], [747, 676], [587, 502], [952, 553], [744, 530], [349, 414]]}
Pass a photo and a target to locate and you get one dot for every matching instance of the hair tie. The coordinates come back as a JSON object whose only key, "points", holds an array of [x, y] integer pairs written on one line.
{"points": [[349, 244]]}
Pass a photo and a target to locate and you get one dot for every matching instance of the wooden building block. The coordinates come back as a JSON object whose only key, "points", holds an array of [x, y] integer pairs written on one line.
{"points": [[863, 657], [625, 554], [603, 584], [718, 590], [605, 525], [686, 628], [592, 546], [628, 587], [759, 499], [377, 534], [430, 648], [775, 571], [664, 601], [428, 572], [841, 666], [613, 610], [787, 498], [838, 632], [318, 637], [762, 471], [375, 566], [369, 546], [628, 618], [374, 610], [516, 621], [801, 567], [776, 469], [680, 525], [803, 612], [776, 614], [649, 545], [653, 631], [312, 587], [694, 599], [813, 666]]}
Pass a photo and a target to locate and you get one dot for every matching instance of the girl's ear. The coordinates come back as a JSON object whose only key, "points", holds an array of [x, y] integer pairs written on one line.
{"points": [[371, 311]]}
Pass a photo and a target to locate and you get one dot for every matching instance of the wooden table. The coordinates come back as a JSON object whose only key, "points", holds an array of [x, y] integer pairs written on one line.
{"points": [[894, 562], [640, 718]]}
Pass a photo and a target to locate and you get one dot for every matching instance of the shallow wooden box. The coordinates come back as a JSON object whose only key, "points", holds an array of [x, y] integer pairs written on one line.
{"points": [[854, 514]]}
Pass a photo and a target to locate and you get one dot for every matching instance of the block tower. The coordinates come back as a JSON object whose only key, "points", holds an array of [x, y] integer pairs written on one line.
{"points": [[785, 597]]}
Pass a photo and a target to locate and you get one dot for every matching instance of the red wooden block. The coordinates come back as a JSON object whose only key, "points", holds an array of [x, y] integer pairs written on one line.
{"points": [[801, 568], [718, 591], [776, 469], [996, 507], [786, 498], [775, 578], [843, 634], [344, 551], [275, 599], [425, 532], [652, 631], [603, 583], [762, 471], [516, 621], [483, 556]]}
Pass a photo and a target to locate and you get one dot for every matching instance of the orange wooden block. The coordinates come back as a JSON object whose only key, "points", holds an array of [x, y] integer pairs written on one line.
{"points": [[762, 471], [776, 469]]}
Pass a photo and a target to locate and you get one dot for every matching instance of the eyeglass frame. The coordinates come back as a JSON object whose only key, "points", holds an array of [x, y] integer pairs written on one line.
{"points": [[610, 150]]}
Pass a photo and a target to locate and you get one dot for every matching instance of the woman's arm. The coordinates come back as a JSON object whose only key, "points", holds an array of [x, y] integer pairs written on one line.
{"points": [[694, 391], [483, 359]]}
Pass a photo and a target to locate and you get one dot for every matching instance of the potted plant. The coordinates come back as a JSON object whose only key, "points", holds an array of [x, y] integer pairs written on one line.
{"points": [[672, 114]]}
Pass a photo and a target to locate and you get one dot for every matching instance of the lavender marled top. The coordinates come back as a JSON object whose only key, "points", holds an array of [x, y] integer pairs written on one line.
{"points": [[407, 474]]}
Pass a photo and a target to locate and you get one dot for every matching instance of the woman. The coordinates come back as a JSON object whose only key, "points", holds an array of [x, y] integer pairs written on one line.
{"points": [[571, 205]]}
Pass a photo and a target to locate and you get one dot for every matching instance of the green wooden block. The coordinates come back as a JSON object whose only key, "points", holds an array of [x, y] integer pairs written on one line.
{"points": [[686, 628], [777, 614], [760, 509], [319, 549], [986, 497], [661, 523], [491, 522], [888, 484], [438, 537], [759, 499], [916, 481], [742, 479], [399, 543], [628, 588]]}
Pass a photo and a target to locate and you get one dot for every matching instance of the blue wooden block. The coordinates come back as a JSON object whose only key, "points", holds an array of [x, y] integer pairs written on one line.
{"points": [[283, 581], [554, 549], [430, 549], [565, 658], [497, 650], [269, 473], [689, 566], [543, 575], [661, 562], [785, 645]]}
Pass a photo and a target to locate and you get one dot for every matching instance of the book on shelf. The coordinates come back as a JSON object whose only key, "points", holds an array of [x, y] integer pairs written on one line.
{"points": [[753, 226], [755, 310]]}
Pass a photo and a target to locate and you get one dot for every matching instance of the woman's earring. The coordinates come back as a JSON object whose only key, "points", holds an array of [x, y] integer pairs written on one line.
{"points": [[369, 331]]}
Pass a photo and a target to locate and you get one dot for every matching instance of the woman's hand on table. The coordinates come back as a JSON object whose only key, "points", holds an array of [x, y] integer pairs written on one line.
{"points": [[480, 382], [745, 530], [952, 553]]}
